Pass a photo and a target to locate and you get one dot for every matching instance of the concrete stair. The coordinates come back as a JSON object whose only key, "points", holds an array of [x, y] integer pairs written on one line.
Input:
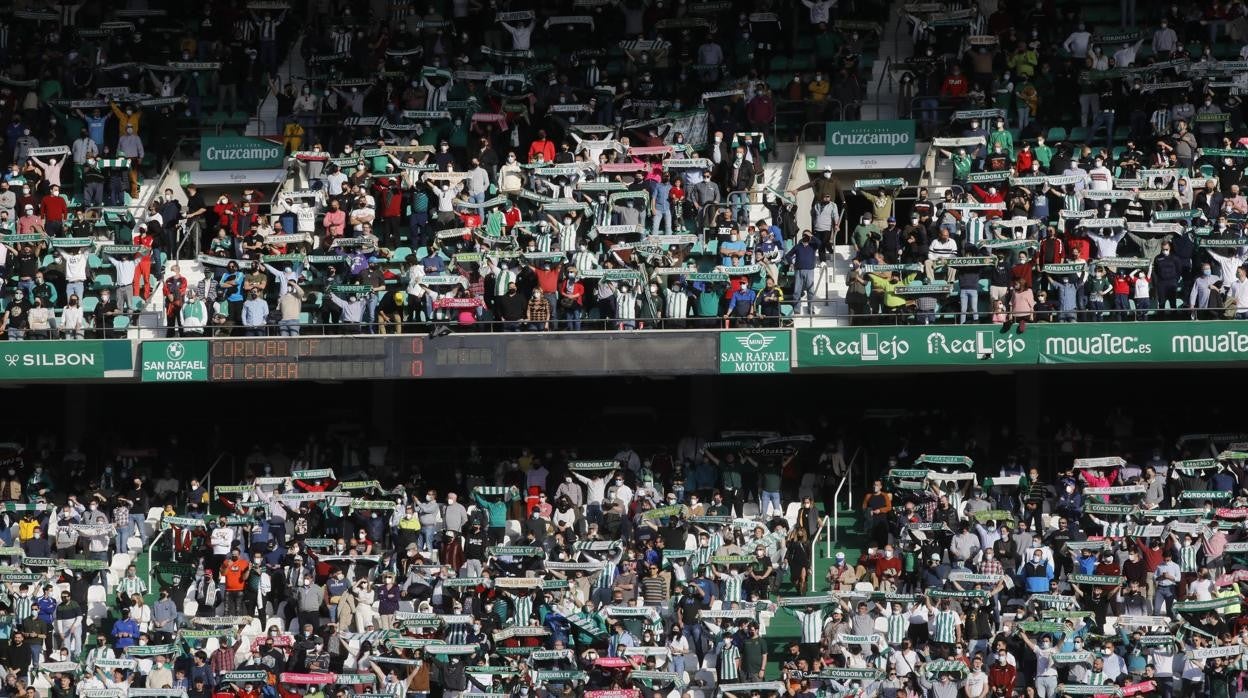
{"points": [[896, 46], [783, 627]]}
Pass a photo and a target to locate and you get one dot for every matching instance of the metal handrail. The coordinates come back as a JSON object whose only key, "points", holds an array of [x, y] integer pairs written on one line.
{"points": [[814, 559], [885, 73], [847, 479], [849, 470], [206, 480], [836, 514], [411, 327], [150, 565]]}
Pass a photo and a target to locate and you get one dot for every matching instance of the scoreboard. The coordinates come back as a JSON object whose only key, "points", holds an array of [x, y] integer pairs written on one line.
{"points": [[350, 357]]}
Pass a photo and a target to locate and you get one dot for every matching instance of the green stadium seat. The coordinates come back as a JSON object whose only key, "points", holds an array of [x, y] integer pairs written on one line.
{"points": [[1078, 134], [121, 322], [102, 281], [1056, 134], [779, 64], [89, 303]]}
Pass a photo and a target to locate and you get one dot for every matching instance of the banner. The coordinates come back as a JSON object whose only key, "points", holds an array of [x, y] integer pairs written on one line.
{"points": [[1104, 580], [238, 153], [174, 361], [307, 679], [1041, 626], [1144, 621], [243, 676], [884, 183], [153, 650], [516, 551], [1196, 342], [869, 137], [589, 465], [1116, 490], [1202, 606]]}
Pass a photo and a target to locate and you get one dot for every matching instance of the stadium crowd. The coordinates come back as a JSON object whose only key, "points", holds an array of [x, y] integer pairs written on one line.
{"points": [[1097, 161], [659, 575], [402, 131]]}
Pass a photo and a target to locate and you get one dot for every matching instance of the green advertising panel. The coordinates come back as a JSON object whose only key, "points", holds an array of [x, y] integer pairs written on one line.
{"points": [[1042, 344], [755, 352], [63, 359], [174, 361], [870, 137], [941, 345], [238, 153], [1140, 342]]}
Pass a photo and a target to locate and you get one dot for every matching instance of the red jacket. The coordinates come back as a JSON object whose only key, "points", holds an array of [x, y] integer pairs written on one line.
{"points": [[511, 216], [54, 208], [577, 291], [547, 279], [1003, 676], [1080, 243], [389, 198], [954, 86], [242, 223], [984, 197], [760, 110], [545, 147], [175, 289], [1022, 165]]}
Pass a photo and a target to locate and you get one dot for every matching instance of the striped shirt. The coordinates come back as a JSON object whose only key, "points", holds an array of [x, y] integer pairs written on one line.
{"points": [[728, 657], [342, 41], [626, 305], [1187, 558], [898, 624], [945, 627], [1072, 202], [1160, 121], [602, 215], [675, 304], [502, 278], [131, 585], [23, 608], [606, 580], [567, 238], [812, 624], [732, 586], [1096, 678], [457, 633], [542, 239], [585, 260], [268, 29], [976, 230], [699, 558], [99, 652], [524, 609], [244, 30]]}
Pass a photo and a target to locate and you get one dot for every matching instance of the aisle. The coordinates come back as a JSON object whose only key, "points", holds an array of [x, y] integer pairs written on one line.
{"points": [[783, 627]]}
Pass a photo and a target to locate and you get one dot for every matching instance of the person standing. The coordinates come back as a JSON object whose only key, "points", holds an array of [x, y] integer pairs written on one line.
{"points": [[804, 258]]}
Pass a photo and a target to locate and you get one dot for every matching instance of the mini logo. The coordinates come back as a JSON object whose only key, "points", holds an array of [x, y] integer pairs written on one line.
{"points": [[11, 359], [175, 351], [756, 341]]}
